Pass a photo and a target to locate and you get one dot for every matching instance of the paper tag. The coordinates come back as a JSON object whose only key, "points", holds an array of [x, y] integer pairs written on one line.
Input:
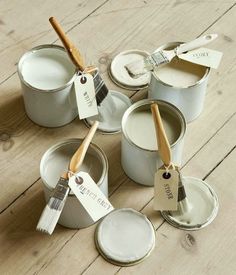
{"points": [[166, 189], [85, 96], [90, 196], [203, 56]]}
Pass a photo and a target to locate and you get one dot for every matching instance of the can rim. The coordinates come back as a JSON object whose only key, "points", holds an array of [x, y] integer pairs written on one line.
{"points": [[174, 44], [167, 216], [149, 102], [124, 264], [68, 141], [24, 56]]}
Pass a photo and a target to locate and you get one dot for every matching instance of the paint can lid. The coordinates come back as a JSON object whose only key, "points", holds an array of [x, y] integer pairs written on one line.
{"points": [[198, 209], [111, 112], [125, 237], [119, 74]]}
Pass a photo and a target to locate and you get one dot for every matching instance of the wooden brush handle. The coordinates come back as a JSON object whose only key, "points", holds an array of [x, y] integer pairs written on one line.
{"points": [[72, 51], [162, 141], [79, 155]]}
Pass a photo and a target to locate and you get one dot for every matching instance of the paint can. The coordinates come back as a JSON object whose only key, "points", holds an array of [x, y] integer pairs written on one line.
{"points": [[55, 161], [139, 155], [198, 209], [119, 74], [181, 83], [125, 237], [47, 75]]}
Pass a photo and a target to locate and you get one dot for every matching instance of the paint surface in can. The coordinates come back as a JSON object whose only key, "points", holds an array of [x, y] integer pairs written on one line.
{"points": [[141, 130], [58, 161], [180, 73], [47, 68]]}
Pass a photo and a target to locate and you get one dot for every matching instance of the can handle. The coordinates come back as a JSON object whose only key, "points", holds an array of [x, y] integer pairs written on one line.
{"points": [[162, 141], [72, 51], [196, 43]]}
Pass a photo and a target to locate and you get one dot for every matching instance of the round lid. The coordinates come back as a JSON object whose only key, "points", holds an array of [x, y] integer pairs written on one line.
{"points": [[125, 237], [198, 209], [120, 75], [111, 112]]}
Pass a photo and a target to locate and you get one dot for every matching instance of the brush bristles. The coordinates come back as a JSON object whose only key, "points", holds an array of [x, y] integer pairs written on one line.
{"points": [[50, 216], [136, 68]]}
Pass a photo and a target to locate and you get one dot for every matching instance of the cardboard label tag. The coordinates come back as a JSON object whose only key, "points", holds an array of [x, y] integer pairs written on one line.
{"points": [[203, 56], [85, 96], [90, 196], [166, 189]]}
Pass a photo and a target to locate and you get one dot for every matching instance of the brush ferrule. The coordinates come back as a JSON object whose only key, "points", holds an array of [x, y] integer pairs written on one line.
{"points": [[61, 190], [157, 59]]}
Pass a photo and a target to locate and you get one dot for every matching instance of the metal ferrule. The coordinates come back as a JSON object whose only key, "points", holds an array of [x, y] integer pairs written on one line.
{"points": [[101, 89], [61, 190]]}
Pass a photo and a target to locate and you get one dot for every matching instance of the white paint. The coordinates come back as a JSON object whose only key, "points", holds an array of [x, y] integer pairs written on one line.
{"points": [[200, 206], [180, 73], [58, 161], [47, 68], [120, 73], [125, 236], [141, 130]]}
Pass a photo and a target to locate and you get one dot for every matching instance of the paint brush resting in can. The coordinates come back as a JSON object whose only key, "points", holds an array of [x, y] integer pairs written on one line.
{"points": [[54, 207], [101, 90]]}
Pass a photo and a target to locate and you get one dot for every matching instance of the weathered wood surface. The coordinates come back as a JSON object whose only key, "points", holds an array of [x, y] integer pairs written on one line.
{"points": [[102, 29]]}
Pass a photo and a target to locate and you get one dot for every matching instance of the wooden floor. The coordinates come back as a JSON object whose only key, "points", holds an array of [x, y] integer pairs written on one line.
{"points": [[101, 29]]}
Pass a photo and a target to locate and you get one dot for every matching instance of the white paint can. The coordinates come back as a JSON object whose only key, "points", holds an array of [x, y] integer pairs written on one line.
{"points": [[47, 75], [139, 155], [181, 83], [55, 161]]}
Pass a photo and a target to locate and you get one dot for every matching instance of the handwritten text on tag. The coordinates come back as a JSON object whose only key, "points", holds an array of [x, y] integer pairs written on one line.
{"points": [[90, 196], [166, 189], [203, 56], [85, 96]]}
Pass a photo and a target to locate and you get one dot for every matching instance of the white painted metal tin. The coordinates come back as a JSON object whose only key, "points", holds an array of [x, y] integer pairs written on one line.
{"points": [[55, 161], [51, 106], [189, 100], [140, 164]]}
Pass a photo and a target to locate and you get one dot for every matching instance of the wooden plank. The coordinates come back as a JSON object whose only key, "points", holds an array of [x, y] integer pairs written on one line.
{"points": [[24, 24]]}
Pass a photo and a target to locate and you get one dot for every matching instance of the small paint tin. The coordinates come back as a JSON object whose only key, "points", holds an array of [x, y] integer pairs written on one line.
{"points": [[198, 209], [139, 155], [119, 74], [125, 237], [47, 75], [55, 161], [181, 83]]}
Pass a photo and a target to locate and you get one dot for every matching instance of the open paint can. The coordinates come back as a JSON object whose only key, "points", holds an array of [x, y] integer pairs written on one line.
{"points": [[125, 237], [119, 74], [55, 161], [139, 154], [198, 209], [47, 75], [181, 83]]}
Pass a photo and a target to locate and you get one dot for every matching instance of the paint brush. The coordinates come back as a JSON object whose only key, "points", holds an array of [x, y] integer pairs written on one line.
{"points": [[54, 207], [160, 57], [101, 90], [164, 148]]}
